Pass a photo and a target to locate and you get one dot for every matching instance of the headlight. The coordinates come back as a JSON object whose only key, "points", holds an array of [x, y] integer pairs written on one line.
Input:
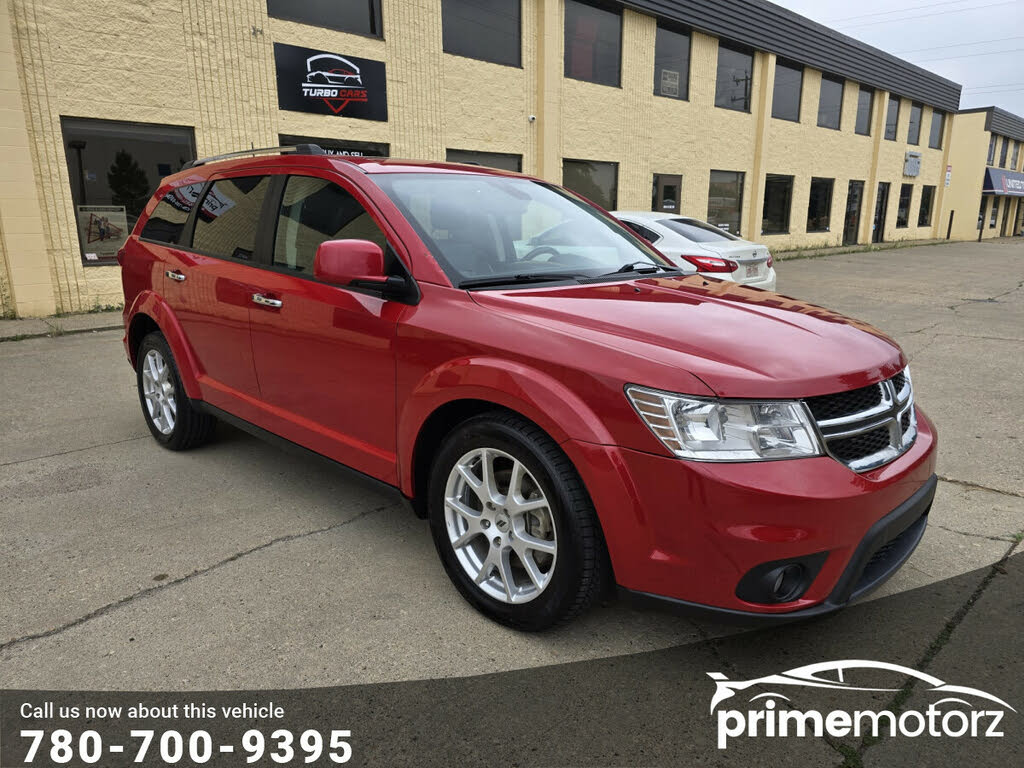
{"points": [[723, 430]]}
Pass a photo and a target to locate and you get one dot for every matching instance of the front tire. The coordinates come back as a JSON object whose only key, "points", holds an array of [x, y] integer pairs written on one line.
{"points": [[513, 524], [171, 416]]}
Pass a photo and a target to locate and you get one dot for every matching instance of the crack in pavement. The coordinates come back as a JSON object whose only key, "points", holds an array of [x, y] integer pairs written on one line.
{"points": [[142, 593], [976, 487], [1008, 538], [73, 450]]}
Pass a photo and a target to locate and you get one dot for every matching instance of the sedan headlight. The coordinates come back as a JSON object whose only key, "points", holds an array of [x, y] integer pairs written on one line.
{"points": [[727, 430]]}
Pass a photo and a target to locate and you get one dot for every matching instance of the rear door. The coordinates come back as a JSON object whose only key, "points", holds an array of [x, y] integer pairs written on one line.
{"points": [[209, 286], [324, 354]]}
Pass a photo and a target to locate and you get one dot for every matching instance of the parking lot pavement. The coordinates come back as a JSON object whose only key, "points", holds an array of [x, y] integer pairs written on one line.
{"points": [[123, 565]]}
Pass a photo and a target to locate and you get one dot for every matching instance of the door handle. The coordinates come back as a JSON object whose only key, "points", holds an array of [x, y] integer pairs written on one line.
{"points": [[259, 298], [175, 275]]}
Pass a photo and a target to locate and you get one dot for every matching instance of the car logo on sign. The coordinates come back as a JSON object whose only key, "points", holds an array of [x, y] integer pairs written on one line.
{"points": [[333, 79]]}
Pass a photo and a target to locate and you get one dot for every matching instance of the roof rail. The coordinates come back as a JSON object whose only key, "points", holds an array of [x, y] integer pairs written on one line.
{"points": [[298, 149]]}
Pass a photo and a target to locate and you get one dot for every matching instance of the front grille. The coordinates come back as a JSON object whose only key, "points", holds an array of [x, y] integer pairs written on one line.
{"points": [[865, 444], [867, 427], [844, 403]]}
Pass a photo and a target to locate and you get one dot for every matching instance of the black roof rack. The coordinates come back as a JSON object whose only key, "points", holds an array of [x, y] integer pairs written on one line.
{"points": [[298, 149]]}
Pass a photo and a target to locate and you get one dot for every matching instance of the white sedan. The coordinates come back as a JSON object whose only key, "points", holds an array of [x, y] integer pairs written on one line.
{"points": [[693, 244]]}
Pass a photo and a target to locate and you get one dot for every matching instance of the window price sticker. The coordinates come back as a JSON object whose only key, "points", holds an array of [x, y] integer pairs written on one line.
{"points": [[71, 730]]}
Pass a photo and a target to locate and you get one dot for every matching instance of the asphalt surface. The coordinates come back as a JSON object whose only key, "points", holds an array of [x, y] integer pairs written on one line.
{"points": [[237, 566]]}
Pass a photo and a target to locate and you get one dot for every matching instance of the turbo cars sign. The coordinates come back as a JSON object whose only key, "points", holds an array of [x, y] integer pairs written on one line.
{"points": [[309, 80]]}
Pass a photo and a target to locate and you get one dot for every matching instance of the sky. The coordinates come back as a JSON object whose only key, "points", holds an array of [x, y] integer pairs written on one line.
{"points": [[977, 43]]}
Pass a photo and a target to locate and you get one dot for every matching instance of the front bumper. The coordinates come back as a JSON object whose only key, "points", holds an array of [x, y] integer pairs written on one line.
{"points": [[688, 532]]}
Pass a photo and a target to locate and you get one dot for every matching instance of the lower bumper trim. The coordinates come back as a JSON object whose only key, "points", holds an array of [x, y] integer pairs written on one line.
{"points": [[888, 544]]}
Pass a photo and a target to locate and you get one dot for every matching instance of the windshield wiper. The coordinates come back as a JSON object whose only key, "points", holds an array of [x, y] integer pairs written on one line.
{"points": [[635, 266], [528, 277]]}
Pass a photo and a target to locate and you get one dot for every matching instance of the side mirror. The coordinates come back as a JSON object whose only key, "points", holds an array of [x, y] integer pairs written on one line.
{"points": [[344, 262]]}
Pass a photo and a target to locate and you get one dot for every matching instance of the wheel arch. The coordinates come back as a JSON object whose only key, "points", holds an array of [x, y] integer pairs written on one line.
{"points": [[150, 313]]}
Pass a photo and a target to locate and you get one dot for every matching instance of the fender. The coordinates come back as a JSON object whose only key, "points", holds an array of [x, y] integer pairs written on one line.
{"points": [[150, 304], [534, 394]]}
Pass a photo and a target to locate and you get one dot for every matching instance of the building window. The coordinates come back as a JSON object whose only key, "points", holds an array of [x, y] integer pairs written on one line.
{"points": [[830, 105], [488, 30], [865, 109], [672, 63], [789, 85], [819, 209], [114, 169], [1016, 155], [1004, 152], [725, 200], [506, 162], [668, 190], [903, 212], [598, 182], [363, 17], [734, 79], [342, 148], [229, 217], [924, 215], [593, 43], [778, 199], [992, 150], [938, 123], [995, 213], [892, 118], [914, 129]]}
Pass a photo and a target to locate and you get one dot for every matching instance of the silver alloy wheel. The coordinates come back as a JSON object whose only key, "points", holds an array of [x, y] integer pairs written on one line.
{"points": [[158, 391], [500, 525]]}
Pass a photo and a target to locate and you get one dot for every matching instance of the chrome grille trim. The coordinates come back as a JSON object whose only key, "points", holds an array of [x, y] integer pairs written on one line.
{"points": [[893, 406]]}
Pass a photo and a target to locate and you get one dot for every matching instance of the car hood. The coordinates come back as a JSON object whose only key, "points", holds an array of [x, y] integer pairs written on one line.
{"points": [[741, 342]]}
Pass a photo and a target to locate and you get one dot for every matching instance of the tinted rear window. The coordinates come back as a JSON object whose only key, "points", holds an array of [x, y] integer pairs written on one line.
{"points": [[227, 221], [167, 222], [697, 231]]}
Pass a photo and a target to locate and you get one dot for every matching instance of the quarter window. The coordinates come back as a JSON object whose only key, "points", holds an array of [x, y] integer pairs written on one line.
{"points": [[903, 212], [938, 123], [362, 17], [830, 106], [819, 209], [892, 118], [167, 222], [734, 79], [672, 63], [482, 29], [914, 130], [924, 216], [593, 43], [598, 182], [725, 200], [865, 108], [778, 198], [789, 83], [314, 211], [501, 160], [229, 216]]}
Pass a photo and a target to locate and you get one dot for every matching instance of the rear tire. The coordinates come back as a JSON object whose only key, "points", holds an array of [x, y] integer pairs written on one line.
{"points": [[170, 415], [513, 524]]}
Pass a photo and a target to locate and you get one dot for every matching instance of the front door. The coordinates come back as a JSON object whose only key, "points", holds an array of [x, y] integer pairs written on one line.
{"points": [[854, 201], [668, 189], [1006, 218], [325, 355], [209, 288], [881, 206]]}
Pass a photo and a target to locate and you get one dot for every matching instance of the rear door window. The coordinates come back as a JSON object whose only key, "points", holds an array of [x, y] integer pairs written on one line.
{"points": [[167, 222], [315, 210], [229, 217]]}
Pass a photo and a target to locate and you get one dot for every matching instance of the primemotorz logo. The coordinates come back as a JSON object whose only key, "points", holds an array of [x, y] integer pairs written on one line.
{"points": [[958, 711]]}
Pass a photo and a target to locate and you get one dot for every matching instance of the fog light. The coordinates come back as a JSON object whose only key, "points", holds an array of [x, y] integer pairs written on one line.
{"points": [[788, 582], [780, 581]]}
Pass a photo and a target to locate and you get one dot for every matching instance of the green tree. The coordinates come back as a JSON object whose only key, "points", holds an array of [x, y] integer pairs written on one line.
{"points": [[129, 185]]}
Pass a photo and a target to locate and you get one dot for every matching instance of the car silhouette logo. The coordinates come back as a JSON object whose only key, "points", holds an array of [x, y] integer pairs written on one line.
{"points": [[330, 69], [814, 676]]}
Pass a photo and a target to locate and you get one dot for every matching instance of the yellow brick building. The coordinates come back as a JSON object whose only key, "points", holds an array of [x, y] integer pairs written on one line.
{"points": [[95, 112]]}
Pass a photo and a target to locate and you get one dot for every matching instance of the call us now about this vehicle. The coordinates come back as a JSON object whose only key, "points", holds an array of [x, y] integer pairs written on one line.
{"points": [[696, 246], [568, 410]]}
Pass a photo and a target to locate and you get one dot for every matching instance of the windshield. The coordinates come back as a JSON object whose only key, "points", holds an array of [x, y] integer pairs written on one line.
{"points": [[489, 227], [697, 231]]}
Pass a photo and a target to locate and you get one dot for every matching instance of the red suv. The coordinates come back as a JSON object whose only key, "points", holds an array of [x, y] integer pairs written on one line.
{"points": [[568, 410]]}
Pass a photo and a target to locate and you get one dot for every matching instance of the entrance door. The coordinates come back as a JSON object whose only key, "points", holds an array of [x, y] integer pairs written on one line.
{"points": [[881, 206], [854, 201], [667, 191], [1006, 219]]}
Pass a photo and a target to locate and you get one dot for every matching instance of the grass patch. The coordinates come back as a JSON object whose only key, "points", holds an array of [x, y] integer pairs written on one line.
{"points": [[814, 252]]}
